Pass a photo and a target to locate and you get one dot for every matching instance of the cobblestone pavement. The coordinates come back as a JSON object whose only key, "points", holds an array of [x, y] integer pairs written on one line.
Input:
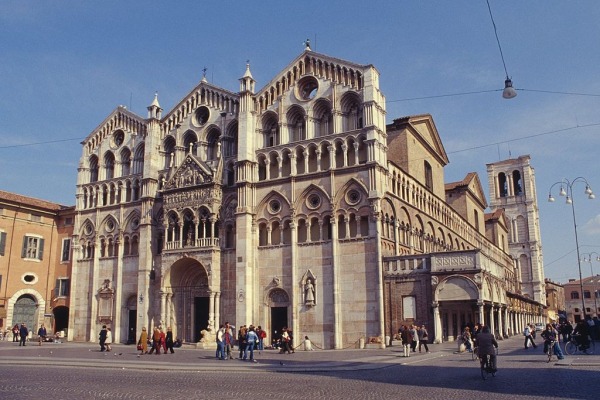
{"points": [[80, 371]]}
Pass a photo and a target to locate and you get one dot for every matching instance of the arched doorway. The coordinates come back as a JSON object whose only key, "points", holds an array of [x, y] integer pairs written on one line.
{"points": [[25, 312], [457, 297], [187, 310], [279, 302], [131, 319]]}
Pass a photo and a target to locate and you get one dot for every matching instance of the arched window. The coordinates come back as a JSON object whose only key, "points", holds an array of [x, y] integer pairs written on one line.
{"points": [[138, 160], [190, 141], [109, 165], [352, 113], [93, 169], [212, 140], [517, 183], [502, 185], [270, 131], [169, 155], [323, 118], [230, 141], [296, 124], [125, 162]]}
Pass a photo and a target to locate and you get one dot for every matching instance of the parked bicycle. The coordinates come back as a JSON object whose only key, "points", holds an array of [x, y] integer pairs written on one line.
{"points": [[575, 346]]}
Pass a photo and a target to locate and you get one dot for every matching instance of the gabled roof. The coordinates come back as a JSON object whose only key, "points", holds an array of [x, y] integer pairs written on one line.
{"points": [[17, 199], [425, 131], [121, 117], [315, 55], [470, 183], [497, 215]]}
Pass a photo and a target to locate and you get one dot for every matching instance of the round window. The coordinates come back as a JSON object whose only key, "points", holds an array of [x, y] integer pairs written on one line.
{"points": [[353, 197], [313, 201], [135, 223], [202, 114], [88, 229], [274, 206], [118, 138], [29, 279], [110, 226], [307, 88]]}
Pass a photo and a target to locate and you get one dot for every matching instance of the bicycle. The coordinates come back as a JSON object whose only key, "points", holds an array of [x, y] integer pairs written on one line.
{"points": [[573, 346], [486, 366]]}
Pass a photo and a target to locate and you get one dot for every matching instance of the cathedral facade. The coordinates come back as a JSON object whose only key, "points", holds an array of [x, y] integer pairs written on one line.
{"points": [[289, 206]]}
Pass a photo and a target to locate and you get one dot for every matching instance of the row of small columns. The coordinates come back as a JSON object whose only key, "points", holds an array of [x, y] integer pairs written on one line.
{"points": [[305, 153], [206, 234]]}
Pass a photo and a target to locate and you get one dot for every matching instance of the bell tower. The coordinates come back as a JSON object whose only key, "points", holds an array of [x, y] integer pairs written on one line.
{"points": [[512, 188]]}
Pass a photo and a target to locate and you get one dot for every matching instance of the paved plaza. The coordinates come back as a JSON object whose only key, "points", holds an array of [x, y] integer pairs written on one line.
{"points": [[80, 371]]}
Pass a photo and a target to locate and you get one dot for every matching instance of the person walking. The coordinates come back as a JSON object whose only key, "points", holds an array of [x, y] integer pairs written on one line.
{"points": [[251, 341], [155, 341], [23, 332], [262, 335], [109, 339], [406, 338], [528, 337], [423, 338], [242, 340], [169, 340], [15, 332], [143, 342], [163, 340], [415, 338], [102, 338], [41, 334], [228, 341], [220, 354]]}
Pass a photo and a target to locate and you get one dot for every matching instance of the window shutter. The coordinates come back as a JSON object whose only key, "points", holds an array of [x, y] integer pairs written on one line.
{"points": [[2, 242], [24, 249], [57, 288], [41, 249]]}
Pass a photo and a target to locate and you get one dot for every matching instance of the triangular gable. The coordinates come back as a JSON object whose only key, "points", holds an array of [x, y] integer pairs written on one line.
{"points": [[311, 56], [191, 172], [426, 131], [120, 118], [472, 184]]}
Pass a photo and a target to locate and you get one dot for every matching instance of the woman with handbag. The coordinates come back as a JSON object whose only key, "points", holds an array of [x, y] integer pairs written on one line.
{"points": [[142, 345]]}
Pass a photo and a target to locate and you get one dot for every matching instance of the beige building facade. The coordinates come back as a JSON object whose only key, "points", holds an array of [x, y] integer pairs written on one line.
{"points": [[35, 262], [289, 206]]}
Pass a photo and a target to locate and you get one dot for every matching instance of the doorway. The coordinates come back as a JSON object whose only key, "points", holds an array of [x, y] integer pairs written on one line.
{"points": [[132, 326], [24, 312], [200, 316], [279, 320]]}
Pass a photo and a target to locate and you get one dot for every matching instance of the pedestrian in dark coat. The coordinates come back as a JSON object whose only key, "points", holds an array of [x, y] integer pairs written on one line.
{"points": [[102, 338], [487, 345], [41, 334], [23, 332], [169, 340]]}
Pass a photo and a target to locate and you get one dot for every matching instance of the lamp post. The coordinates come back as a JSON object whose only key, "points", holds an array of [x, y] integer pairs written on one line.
{"points": [[590, 259], [568, 192]]}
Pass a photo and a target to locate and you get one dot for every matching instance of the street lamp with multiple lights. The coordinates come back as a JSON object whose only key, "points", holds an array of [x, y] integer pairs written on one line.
{"points": [[588, 257], [566, 189]]}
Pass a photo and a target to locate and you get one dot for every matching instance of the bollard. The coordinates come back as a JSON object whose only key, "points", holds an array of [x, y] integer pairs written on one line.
{"points": [[361, 343]]}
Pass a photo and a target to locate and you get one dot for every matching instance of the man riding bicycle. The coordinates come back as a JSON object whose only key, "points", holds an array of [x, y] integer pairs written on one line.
{"points": [[487, 345], [581, 334]]}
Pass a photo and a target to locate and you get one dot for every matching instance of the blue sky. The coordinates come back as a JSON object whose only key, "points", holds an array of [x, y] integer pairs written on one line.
{"points": [[65, 65]]}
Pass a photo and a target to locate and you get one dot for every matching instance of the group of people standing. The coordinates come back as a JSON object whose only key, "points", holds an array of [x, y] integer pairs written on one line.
{"points": [[249, 338], [21, 334], [159, 340], [413, 336]]}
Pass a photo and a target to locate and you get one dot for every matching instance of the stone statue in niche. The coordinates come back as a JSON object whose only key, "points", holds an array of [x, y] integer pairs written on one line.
{"points": [[309, 293]]}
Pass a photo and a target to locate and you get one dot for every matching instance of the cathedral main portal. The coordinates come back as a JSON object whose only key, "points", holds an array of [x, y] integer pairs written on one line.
{"points": [[187, 301]]}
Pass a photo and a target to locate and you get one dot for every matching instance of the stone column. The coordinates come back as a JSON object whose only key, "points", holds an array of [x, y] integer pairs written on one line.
{"points": [[217, 310], [211, 309]]}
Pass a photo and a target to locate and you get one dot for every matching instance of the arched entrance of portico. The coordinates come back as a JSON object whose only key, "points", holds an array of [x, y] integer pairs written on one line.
{"points": [[457, 299], [278, 302], [186, 299]]}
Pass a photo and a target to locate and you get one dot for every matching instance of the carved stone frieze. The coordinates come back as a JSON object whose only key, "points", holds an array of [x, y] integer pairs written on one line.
{"points": [[189, 173]]}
